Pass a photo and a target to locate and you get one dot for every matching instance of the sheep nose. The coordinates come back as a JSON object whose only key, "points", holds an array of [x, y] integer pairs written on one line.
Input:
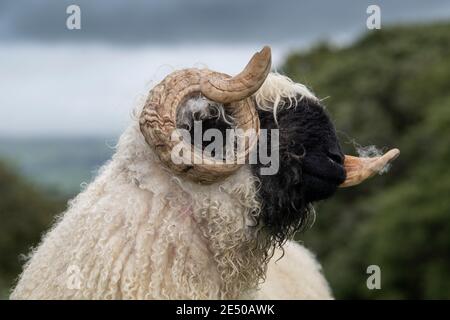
{"points": [[336, 155]]}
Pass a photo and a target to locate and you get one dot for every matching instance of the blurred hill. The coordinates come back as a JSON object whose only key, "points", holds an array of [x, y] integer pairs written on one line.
{"points": [[36, 180], [58, 163], [392, 89], [25, 212]]}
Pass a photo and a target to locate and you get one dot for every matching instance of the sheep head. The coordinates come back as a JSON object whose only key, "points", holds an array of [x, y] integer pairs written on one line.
{"points": [[311, 164]]}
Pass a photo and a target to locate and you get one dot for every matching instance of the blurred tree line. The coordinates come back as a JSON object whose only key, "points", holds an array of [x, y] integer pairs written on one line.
{"points": [[25, 213], [390, 88]]}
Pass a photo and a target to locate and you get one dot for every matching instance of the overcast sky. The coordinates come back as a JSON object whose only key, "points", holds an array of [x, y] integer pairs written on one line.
{"points": [[203, 21], [55, 81]]}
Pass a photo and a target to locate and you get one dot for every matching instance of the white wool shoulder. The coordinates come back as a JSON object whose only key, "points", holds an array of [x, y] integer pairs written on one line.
{"points": [[297, 275]]}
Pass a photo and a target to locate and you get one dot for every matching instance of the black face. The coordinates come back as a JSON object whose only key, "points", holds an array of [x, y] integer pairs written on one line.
{"points": [[311, 167]]}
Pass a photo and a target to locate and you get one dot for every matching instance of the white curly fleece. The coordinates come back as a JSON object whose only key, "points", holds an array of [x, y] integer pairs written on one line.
{"points": [[138, 232]]}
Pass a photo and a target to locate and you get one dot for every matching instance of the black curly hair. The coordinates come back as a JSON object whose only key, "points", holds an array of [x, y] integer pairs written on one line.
{"points": [[310, 167]]}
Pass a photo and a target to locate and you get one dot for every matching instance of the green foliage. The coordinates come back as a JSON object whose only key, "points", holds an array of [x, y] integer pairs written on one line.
{"points": [[390, 88], [25, 212]]}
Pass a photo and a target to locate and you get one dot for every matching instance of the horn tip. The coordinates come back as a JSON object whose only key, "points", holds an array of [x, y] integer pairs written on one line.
{"points": [[392, 154], [266, 52]]}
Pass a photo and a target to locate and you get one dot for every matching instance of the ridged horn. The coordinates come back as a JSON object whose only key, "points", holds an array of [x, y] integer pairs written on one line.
{"points": [[241, 86], [159, 116]]}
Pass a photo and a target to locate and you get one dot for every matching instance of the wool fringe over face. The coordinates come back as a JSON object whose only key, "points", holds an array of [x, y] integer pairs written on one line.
{"points": [[277, 89], [139, 232]]}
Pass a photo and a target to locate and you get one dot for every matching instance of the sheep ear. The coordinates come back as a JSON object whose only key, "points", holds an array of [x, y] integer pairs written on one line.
{"points": [[360, 169]]}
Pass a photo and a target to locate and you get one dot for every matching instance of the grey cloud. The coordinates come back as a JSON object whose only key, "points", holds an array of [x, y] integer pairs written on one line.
{"points": [[166, 21]]}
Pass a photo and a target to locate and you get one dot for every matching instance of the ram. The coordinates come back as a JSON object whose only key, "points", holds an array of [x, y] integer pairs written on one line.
{"points": [[148, 227]]}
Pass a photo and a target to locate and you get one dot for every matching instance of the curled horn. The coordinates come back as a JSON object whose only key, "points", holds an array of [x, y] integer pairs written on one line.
{"points": [[159, 115]]}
